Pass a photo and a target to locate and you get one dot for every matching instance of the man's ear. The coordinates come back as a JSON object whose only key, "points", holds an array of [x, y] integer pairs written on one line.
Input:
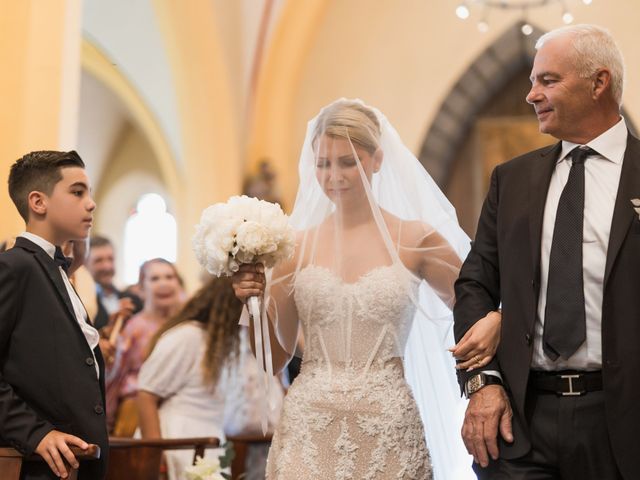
{"points": [[37, 202], [377, 160], [601, 82]]}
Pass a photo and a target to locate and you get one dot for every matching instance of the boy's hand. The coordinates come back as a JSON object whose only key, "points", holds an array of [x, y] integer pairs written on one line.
{"points": [[55, 446]]}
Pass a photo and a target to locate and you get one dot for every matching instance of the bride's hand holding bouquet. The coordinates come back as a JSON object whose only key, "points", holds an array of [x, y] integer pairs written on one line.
{"points": [[249, 281]]}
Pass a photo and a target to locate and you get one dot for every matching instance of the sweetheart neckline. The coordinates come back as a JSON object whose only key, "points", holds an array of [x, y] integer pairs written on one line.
{"points": [[342, 281]]}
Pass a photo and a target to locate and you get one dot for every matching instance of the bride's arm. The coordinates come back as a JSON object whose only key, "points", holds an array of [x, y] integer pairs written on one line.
{"points": [[281, 310], [439, 264]]}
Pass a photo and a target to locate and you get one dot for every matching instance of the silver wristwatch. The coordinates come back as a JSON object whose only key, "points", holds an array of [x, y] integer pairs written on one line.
{"points": [[478, 381]]}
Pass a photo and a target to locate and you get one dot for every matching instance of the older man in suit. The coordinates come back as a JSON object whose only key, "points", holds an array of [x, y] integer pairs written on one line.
{"points": [[558, 247], [111, 301]]}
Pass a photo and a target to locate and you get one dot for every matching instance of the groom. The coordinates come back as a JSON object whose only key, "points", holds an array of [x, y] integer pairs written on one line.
{"points": [[558, 246]]}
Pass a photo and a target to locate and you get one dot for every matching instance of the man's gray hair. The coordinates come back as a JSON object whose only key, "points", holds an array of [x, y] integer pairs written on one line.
{"points": [[594, 48]]}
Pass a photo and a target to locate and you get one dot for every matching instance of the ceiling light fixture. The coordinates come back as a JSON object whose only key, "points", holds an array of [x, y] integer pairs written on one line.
{"points": [[463, 10]]}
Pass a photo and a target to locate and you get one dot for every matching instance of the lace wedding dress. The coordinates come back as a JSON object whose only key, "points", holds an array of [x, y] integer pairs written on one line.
{"points": [[378, 249], [350, 413]]}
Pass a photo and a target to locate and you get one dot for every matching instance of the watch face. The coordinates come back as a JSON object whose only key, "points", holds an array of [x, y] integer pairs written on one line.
{"points": [[474, 384]]}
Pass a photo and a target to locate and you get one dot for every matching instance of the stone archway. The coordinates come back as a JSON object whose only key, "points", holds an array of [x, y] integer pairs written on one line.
{"points": [[484, 78], [99, 65]]}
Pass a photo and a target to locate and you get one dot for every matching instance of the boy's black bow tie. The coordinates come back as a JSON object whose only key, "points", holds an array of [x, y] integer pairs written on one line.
{"points": [[61, 260]]}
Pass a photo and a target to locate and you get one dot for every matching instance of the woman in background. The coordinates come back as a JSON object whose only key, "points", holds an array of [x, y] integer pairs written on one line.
{"points": [[160, 284], [200, 379]]}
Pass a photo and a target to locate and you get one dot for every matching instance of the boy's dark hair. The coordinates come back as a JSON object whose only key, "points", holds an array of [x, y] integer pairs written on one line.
{"points": [[99, 241], [38, 171]]}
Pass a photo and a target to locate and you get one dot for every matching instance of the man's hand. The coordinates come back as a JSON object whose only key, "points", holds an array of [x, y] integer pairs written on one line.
{"points": [[126, 308], [108, 351], [55, 446], [124, 312], [488, 410], [111, 331]]}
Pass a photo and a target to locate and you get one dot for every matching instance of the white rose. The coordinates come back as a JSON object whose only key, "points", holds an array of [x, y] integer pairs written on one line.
{"points": [[255, 238], [245, 257]]}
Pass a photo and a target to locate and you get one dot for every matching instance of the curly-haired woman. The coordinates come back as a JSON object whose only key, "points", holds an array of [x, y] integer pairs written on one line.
{"points": [[199, 378]]}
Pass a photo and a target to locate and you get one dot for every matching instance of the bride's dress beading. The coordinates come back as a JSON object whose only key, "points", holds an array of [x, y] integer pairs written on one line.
{"points": [[350, 413]]}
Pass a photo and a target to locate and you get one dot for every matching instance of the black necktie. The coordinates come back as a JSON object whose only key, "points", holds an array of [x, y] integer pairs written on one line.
{"points": [[564, 318], [61, 260]]}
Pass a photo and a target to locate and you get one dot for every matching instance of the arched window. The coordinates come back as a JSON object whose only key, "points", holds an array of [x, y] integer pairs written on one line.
{"points": [[150, 232]]}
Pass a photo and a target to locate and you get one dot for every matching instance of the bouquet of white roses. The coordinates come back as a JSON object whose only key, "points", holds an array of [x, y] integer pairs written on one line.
{"points": [[242, 230]]}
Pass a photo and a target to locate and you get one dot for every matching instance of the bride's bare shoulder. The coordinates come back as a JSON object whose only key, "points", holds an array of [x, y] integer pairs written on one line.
{"points": [[411, 232], [303, 246]]}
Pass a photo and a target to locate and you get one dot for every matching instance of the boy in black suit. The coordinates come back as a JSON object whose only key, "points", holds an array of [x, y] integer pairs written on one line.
{"points": [[51, 371]]}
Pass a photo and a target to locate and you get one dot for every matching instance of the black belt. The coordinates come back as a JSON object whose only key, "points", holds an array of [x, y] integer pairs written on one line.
{"points": [[566, 383]]}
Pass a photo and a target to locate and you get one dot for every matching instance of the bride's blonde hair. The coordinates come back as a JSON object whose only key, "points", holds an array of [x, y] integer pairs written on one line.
{"points": [[352, 120]]}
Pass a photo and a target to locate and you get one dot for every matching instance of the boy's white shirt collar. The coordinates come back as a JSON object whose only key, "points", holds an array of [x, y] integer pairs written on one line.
{"points": [[46, 245]]}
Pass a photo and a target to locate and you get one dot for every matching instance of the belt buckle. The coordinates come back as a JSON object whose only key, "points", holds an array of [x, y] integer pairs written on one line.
{"points": [[571, 392]]}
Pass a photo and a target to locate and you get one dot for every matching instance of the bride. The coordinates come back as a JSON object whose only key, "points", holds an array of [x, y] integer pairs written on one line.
{"points": [[371, 286]]}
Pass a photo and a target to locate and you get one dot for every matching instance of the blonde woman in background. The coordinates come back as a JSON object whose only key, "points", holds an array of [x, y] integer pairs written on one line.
{"points": [[161, 286]]}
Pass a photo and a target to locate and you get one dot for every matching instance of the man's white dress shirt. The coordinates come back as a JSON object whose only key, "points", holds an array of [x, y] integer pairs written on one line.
{"points": [[602, 176]]}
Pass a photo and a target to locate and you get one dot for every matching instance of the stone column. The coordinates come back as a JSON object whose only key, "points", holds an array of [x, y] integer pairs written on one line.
{"points": [[39, 86]]}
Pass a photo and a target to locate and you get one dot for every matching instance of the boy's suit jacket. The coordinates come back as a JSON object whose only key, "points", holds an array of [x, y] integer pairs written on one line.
{"points": [[47, 372]]}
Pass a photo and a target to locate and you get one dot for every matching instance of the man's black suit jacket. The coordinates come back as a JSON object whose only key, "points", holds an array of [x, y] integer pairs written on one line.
{"points": [[47, 373], [504, 266]]}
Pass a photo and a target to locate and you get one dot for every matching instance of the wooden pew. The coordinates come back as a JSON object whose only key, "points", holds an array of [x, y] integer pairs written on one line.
{"points": [[139, 459]]}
